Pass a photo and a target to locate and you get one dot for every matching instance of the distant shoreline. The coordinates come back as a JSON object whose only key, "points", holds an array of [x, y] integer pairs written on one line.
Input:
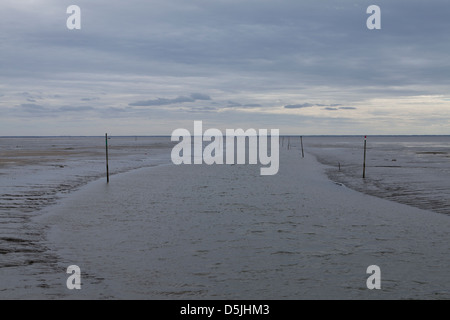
{"points": [[281, 135]]}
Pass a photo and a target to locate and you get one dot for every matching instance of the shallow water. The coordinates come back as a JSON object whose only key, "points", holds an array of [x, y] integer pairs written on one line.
{"points": [[224, 232], [36, 173]]}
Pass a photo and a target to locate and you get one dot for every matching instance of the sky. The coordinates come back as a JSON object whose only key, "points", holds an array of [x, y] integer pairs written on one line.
{"points": [[142, 67]]}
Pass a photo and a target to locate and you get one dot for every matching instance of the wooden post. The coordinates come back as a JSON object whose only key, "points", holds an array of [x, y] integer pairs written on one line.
{"points": [[107, 167], [364, 164], [289, 143], [301, 142]]}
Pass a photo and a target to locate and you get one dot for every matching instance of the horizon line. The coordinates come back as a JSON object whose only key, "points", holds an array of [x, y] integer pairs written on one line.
{"points": [[281, 135]]}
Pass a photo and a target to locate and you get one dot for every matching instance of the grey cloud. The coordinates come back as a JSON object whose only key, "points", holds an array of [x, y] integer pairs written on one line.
{"points": [[116, 109], [30, 96], [299, 106], [201, 110], [200, 96], [39, 109], [74, 109], [163, 102], [120, 112], [333, 106], [33, 108], [232, 104]]}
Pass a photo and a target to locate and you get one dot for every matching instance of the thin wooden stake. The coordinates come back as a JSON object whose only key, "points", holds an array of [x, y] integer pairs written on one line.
{"points": [[301, 141], [107, 166], [364, 164]]}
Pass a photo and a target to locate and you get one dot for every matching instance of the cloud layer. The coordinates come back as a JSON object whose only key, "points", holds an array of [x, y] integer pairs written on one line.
{"points": [[163, 102], [157, 64]]}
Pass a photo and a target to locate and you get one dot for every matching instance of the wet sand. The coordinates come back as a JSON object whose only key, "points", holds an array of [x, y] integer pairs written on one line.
{"points": [[208, 232], [225, 232], [36, 173]]}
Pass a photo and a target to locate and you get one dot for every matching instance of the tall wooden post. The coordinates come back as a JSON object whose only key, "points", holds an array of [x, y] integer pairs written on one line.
{"points": [[301, 142], [364, 164], [107, 166]]}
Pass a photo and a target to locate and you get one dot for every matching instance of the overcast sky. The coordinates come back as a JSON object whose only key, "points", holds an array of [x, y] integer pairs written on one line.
{"points": [[149, 67]]}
